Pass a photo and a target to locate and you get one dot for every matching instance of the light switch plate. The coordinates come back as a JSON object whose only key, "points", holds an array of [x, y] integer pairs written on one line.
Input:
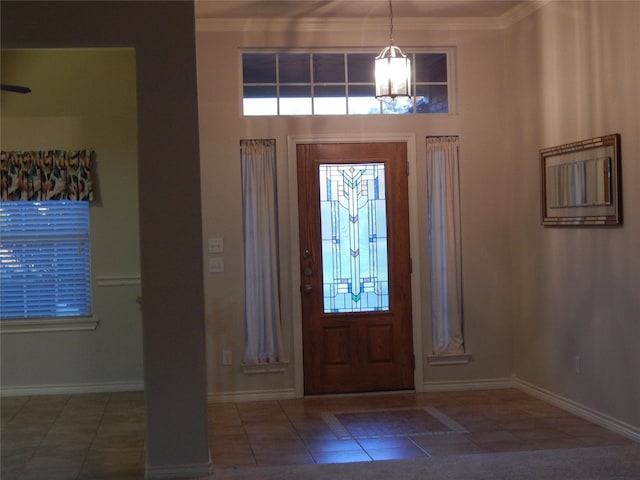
{"points": [[216, 265], [216, 245]]}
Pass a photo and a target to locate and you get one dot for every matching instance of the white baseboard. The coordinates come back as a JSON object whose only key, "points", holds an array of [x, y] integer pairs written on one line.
{"points": [[71, 389], [458, 385], [178, 471], [252, 396], [579, 410]]}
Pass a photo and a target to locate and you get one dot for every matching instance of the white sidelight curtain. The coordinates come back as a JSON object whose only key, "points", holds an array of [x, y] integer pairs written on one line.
{"points": [[262, 291], [443, 210]]}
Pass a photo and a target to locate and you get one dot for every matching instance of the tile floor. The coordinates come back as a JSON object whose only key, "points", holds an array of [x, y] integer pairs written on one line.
{"points": [[101, 436], [68, 437]]}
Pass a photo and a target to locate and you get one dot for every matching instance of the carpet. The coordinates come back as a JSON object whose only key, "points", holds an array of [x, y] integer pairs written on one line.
{"points": [[590, 463]]}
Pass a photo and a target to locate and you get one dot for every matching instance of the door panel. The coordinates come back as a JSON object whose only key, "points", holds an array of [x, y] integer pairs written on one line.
{"points": [[355, 267]]}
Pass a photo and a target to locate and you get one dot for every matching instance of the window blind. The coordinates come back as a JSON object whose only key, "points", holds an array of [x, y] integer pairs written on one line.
{"points": [[45, 268]]}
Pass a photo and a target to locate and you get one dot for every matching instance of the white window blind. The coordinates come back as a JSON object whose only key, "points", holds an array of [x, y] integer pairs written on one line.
{"points": [[45, 268]]}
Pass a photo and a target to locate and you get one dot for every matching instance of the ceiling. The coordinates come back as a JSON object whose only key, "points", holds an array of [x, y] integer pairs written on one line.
{"points": [[235, 9]]}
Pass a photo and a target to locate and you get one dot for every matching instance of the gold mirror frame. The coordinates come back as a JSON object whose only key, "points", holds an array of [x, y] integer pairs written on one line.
{"points": [[581, 183]]}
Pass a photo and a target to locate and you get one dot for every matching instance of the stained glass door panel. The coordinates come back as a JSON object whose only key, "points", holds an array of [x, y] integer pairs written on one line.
{"points": [[354, 237]]}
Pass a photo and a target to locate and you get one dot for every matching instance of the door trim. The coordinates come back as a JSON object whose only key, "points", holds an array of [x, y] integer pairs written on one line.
{"points": [[410, 140]]}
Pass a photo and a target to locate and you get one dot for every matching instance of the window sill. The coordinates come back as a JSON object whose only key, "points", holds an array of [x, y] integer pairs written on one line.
{"points": [[449, 359], [264, 368], [43, 325]]}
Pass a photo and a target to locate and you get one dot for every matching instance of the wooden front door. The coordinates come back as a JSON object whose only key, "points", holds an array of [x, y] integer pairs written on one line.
{"points": [[355, 267]]}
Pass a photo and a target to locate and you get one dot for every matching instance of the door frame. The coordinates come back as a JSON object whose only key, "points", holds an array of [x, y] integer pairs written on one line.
{"points": [[410, 140]]}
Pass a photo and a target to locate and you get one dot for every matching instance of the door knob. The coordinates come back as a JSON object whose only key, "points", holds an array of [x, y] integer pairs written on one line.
{"points": [[308, 272], [308, 288]]}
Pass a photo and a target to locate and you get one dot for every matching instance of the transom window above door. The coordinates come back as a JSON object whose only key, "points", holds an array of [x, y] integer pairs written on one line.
{"points": [[339, 83]]}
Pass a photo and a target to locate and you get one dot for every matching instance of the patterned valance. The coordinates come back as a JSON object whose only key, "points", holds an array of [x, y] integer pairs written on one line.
{"points": [[46, 175]]}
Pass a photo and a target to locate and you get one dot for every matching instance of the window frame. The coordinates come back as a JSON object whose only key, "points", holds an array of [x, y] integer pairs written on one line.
{"points": [[451, 82]]}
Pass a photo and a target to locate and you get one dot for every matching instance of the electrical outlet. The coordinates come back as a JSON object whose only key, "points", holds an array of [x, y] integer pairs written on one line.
{"points": [[227, 357]]}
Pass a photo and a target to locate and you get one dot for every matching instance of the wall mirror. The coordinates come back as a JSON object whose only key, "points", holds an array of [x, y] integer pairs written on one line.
{"points": [[581, 183]]}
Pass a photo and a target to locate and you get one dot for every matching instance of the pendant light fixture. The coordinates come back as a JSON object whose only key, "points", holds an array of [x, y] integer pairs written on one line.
{"points": [[392, 69]]}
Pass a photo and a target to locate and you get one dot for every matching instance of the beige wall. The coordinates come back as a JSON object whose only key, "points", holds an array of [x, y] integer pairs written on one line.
{"points": [[573, 74], [83, 98], [534, 297], [480, 122]]}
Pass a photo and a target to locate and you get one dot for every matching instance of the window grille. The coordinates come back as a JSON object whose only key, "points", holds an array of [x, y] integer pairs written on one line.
{"points": [[339, 83]]}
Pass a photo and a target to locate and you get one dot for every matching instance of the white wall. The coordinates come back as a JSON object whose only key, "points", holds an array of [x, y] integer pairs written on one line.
{"points": [[573, 74], [480, 122], [83, 98]]}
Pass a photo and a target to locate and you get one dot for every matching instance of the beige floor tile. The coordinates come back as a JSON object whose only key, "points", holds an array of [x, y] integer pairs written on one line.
{"points": [[270, 459], [399, 453], [101, 436], [342, 456]]}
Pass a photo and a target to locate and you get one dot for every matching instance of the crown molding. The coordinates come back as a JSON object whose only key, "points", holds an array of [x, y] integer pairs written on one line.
{"points": [[341, 24], [522, 11], [311, 24]]}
